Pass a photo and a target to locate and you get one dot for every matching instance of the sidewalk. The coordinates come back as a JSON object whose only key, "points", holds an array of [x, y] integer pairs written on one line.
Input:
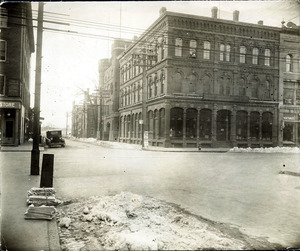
{"points": [[163, 149], [118, 145], [16, 232], [26, 147]]}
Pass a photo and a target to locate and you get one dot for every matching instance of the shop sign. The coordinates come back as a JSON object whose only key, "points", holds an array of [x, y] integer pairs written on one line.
{"points": [[5, 104], [287, 116]]}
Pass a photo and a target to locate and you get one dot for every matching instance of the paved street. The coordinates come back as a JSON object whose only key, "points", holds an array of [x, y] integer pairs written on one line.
{"points": [[244, 189]]}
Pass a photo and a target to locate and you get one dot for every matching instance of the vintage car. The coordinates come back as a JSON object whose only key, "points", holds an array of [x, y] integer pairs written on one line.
{"points": [[54, 138]]}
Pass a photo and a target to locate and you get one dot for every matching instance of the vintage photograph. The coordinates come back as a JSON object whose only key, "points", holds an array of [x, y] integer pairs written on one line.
{"points": [[150, 125]]}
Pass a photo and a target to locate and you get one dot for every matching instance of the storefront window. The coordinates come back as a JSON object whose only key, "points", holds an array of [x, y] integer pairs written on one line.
{"points": [[241, 125], [205, 124], [191, 123], [267, 121], [162, 122], [288, 132], [176, 123]]}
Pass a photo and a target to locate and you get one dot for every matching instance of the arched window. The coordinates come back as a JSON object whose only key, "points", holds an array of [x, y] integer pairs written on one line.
{"points": [[176, 122], [161, 122], [267, 57], [241, 125], [155, 86], [192, 83], [162, 83], [150, 121], [267, 89], [242, 87], [254, 88], [206, 51], [193, 48], [255, 56], [206, 84], [177, 82], [205, 126], [191, 123], [288, 63], [222, 52], [227, 52], [178, 47], [242, 54]]}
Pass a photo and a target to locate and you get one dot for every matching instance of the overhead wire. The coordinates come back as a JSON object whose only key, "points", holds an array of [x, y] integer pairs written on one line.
{"points": [[109, 38]]}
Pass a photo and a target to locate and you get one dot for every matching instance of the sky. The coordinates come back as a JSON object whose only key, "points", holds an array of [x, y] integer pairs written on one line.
{"points": [[70, 62]]}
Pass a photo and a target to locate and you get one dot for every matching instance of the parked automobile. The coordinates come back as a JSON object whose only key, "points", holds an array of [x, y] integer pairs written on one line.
{"points": [[54, 139]]}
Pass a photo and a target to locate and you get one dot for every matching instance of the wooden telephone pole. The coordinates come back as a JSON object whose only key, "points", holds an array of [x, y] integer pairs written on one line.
{"points": [[35, 153]]}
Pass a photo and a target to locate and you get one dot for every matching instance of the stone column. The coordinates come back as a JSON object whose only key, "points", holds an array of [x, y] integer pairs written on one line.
{"points": [[214, 125], [233, 127], [260, 129], [248, 129], [184, 127], [167, 125], [198, 129]]}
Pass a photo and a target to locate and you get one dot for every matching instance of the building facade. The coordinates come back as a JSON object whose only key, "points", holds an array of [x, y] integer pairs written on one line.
{"points": [[17, 45], [196, 81], [109, 92], [289, 113], [85, 117]]}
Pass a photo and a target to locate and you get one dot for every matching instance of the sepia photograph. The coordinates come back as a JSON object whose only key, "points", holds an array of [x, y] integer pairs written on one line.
{"points": [[149, 125]]}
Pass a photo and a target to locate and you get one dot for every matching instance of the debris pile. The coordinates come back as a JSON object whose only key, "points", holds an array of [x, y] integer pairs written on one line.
{"points": [[42, 196], [128, 221], [41, 203], [40, 213]]}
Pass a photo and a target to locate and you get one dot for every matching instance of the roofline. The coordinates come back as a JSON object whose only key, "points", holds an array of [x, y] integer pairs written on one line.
{"points": [[170, 13]]}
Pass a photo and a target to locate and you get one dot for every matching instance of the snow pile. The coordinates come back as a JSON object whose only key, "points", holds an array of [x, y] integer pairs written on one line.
{"points": [[266, 150], [128, 221]]}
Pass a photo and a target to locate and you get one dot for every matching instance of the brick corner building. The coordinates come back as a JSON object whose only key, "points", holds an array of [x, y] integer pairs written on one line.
{"points": [[16, 47]]}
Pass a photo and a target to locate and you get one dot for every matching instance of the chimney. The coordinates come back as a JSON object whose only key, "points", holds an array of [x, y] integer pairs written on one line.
{"points": [[236, 15], [260, 22], [162, 11], [214, 12]]}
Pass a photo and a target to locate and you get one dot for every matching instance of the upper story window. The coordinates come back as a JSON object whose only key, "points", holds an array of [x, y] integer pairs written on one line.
{"points": [[267, 57], [242, 54], [178, 47], [2, 85], [255, 56], [222, 52], [3, 17], [288, 63], [193, 48], [2, 50], [206, 51], [227, 52]]}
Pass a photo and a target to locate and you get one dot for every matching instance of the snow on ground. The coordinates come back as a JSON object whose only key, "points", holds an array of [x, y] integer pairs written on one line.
{"points": [[129, 221], [266, 150], [110, 144]]}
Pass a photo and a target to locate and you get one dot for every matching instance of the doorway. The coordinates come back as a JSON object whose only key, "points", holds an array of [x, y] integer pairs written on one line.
{"points": [[8, 132]]}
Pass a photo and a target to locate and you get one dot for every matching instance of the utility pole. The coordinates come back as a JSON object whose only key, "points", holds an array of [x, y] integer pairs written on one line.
{"points": [[141, 60], [35, 153], [67, 123]]}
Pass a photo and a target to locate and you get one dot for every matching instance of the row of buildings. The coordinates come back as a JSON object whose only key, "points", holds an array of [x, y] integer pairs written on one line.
{"points": [[192, 80], [16, 47]]}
